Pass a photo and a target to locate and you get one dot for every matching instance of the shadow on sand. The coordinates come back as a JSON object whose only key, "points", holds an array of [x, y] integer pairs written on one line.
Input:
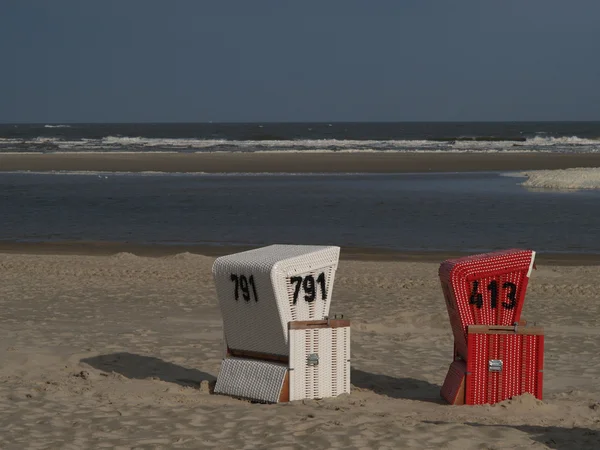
{"points": [[552, 437], [141, 367], [406, 388]]}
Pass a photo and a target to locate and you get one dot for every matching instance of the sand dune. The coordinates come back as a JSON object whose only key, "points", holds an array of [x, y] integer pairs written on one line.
{"points": [[119, 352]]}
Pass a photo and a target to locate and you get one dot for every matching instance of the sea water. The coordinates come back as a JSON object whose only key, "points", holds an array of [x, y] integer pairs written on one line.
{"points": [[433, 211], [560, 137]]}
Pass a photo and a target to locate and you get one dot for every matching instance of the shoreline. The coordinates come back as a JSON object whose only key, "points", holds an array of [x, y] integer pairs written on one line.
{"points": [[280, 162], [347, 253]]}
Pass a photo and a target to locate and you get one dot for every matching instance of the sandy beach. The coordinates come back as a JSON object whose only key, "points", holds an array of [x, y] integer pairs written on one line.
{"points": [[118, 351], [375, 162]]}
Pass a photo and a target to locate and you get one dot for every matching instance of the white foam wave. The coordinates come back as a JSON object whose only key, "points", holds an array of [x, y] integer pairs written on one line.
{"points": [[282, 144], [57, 126], [140, 144], [563, 179], [153, 142], [573, 140]]}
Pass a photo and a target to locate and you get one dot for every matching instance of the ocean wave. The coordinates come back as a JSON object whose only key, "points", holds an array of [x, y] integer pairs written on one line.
{"points": [[573, 140], [57, 126], [138, 144]]}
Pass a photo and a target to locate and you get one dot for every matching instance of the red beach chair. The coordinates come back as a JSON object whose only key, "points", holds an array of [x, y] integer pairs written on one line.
{"points": [[495, 356]]}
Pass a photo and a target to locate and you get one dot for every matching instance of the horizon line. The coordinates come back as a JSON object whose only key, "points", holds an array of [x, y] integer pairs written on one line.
{"points": [[292, 122]]}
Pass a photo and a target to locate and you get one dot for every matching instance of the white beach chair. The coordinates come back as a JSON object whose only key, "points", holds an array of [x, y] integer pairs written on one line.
{"points": [[279, 343]]}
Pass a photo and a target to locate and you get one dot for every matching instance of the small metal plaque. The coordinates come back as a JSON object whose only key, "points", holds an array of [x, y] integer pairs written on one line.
{"points": [[495, 365], [335, 316], [312, 359]]}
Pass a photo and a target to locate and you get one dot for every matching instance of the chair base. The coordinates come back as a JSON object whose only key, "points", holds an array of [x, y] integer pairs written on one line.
{"points": [[503, 362], [453, 389], [318, 366]]}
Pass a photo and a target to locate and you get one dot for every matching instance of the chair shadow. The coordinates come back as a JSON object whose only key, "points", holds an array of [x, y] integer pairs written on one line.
{"points": [[552, 437], [405, 388], [142, 367], [563, 438]]}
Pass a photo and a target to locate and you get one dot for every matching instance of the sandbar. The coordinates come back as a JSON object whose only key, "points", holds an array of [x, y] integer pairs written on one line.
{"points": [[279, 162]]}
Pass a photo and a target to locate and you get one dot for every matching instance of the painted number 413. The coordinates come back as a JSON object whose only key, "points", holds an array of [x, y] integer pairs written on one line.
{"points": [[509, 288]]}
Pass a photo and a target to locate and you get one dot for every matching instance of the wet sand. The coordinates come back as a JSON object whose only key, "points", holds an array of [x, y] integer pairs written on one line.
{"points": [[294, 162]]}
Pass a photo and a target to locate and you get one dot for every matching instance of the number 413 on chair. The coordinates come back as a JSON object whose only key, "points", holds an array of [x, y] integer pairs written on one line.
{"points": [[505, 292]]}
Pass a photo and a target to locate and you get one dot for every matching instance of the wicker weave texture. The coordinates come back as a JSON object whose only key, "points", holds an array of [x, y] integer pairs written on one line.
{"points": [[331, 376], [280, 283], [522, 357], [485, 289], [251, 379]]}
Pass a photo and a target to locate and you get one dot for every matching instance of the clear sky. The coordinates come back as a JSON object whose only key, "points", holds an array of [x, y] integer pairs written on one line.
{"points": [[310, 60]]}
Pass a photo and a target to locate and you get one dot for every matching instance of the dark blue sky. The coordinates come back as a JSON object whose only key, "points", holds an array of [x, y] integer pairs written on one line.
{"points": [[240, 60]]}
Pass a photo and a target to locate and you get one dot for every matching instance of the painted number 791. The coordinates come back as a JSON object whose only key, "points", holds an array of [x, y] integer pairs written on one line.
{"points": [[309, 286]]}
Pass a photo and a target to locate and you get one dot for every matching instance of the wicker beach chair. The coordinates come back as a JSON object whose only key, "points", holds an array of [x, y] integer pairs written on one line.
{"points": [[496, 356], [280, 343]]}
